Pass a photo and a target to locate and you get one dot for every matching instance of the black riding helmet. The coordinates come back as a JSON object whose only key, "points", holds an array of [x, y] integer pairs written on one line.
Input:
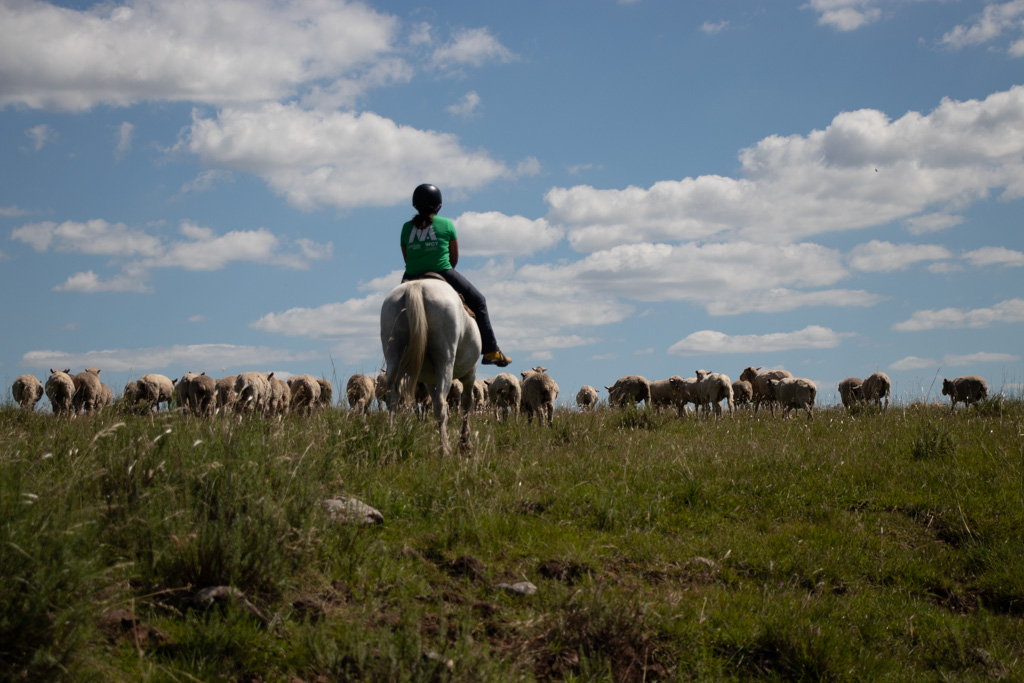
{"points": [[426, 198]]}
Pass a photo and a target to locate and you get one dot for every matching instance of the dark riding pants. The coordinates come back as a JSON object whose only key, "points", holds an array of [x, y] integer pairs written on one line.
{"points": [[476, 303]]}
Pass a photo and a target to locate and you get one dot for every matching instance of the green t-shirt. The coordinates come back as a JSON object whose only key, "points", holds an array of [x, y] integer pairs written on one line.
{"points": [[426, 250]]}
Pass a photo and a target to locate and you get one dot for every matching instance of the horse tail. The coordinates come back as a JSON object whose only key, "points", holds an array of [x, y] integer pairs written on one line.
{"points": [[416, 347]]}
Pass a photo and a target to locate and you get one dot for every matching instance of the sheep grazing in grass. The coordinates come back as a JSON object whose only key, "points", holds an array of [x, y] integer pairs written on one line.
{"points": [[851, 391], [181, 388], [794, 393], [742, 392], [252, 392], [587, 397], [966, 390], [360, 392], [225, 387], [480, 395], [713, 388], [27, 390], [876, 387], [131, 399], [280, 397], [454, 399], [326, 393], [380, 389], [505, 395], [629, 390], [759, 385], [539, 392], [202, 395], [155, 389], [106, 396], [669, 393], [88, 394], [305, 392], [60, 389]]}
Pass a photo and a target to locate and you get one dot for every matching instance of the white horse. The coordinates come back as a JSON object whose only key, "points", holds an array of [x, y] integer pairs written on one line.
{"points": [[428, 336]]}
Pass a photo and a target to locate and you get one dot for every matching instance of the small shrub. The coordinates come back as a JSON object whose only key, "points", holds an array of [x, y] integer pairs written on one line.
{"points": [[933, 440]]}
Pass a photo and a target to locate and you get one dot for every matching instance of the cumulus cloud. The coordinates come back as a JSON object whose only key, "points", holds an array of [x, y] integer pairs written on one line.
{"points": [[977, 358], [98, 237], [221, 53], [472, 47], [711, 341], [995, 19], [878, 256], [495, 234], [342, 159], [1008, 311], [12, 211], [205, 250], [714, 27], [781, 299], [159, 357], [932, 222], [124, 140], [913, 363], [39, 135], [845, 15], [467, 106], [131, 279], [995, 256], [798, 186]]}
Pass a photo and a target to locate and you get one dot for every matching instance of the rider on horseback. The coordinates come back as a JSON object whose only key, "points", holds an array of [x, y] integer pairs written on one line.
{"points": [[430, 245]]}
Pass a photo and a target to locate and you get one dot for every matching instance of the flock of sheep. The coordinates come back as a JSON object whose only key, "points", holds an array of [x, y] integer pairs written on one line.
{"points": [[533, 393]]}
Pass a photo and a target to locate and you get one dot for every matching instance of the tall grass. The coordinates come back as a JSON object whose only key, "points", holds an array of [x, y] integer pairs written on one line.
{"points": [[872, 546]]}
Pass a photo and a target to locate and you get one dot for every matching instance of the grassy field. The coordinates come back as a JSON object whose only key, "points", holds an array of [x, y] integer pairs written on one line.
{"points": [[878, 546]]}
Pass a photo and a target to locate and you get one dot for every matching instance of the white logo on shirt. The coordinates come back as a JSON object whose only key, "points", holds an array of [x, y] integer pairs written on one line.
{"points": [[424, 235]]}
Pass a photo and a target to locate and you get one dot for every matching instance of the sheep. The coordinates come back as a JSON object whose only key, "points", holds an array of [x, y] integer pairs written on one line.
{"points": [[380, 389], [202, 395], [794, 393], [969, 389], [305, 392], [131, 398], [252, 390], [27, 390], [155, 389], [360, 393], [60, 389], [759, 385], [225, 387], [505, 394], [280, 397], [88, 392], [630, 389], [455, 396], [713, 388], [742, 392], [539, 392], [875, 388], [669, 393], [587, 397], [480, 395], [326, 393], [106, 396], [851, 391], [181, 392]]}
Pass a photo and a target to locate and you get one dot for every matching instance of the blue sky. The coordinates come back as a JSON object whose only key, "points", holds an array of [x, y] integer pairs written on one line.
{"points": [[833, 187]]}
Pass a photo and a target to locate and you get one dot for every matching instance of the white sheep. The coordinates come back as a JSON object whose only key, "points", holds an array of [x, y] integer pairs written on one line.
{"points": [[539, 392], [742, 392], [851, 391], [587, 397], [505, 394], [305, 392], [794, 393], [480, 395], [630, 390], [969, 389], [759, 385], [280, 397], [669, 393], [27, 390], [454, 399], [713, 388], [360, 392], [88, 391], [380, 389], [876, 387], [252, 392], [202, 395], [225, 387], [155, 389], [60, 389], [326, 393]]}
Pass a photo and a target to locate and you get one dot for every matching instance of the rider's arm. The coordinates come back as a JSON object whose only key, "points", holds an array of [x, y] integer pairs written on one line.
{"points": [[453, 252], [404, 258]]}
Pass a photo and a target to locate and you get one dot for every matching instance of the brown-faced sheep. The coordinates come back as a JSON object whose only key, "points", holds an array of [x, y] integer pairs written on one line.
{"points": [[629, 390], [27, 390], [225, 387], [876, 387], [742, 392], [155, 389], [851, 391], [759, 384], [794, 393], [305, 392], [669, 393], [60, 389], [505, 394], [967, 390], [539, 392], [88, 392], [252, 392], [587, 397], [713, 388]]}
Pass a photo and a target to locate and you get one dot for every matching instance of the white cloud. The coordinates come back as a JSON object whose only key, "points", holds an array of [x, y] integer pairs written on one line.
{"points": [[206, 181], [12, 211], [1008, 311], [472, 47], [467, 106], [199, 318], [222, 53], [204, 250], [39, 135], [317, 158], [877, 256], [994, 20], [845, 15], [197, 357], [798, 186], [124, 140], [131, 279], [982, 357], [781, 299], [710, 341], [995, 256], [714, 27], [98, 237], [495, 234], [913, 363], [932, 222]]}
